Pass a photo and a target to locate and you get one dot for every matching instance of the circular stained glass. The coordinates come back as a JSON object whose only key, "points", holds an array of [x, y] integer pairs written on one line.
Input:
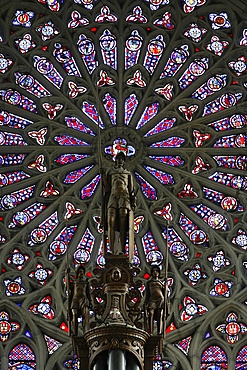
{"points": [[178, 249], [198, 236], [133, 43], [41, 274], [23, 18], [238, 182], [191, 309], [241, 240], [81, 256], [5, 327], [197, 68], [179, 56], [13, 97], [229, 203], [3, 180], [38, 236], [58, 247], [86, 47], [233, 328], [44, 66], [155, 47], [43, 308], [18, 259], [194, 275], [9, 201], [216, 221], [47, 30], [13, 287], [221, 288], [3, 63], [21, 218], [2, 138], [108, 43], [214, 83], [25, 44], [154, 258], [26, 81], [219, 20]]}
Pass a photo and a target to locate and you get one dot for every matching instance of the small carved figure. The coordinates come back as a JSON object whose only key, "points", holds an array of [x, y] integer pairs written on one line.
{"points": [[116, 274], [155, 300], [120, 200], [115, 313], [80, 300]]}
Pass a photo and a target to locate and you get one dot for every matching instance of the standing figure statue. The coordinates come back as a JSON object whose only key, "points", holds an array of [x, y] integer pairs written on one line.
{"points": [[155, 300], [120, 201], [80, 300]]}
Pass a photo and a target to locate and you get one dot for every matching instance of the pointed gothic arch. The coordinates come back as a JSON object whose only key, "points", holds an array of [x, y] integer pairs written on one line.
{"points": [[165, 82]]}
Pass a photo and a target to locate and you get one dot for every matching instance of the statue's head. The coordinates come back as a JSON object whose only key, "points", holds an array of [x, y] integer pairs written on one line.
{"points": [[116, 274], [155, 271], [120, 155], [80, 271]]}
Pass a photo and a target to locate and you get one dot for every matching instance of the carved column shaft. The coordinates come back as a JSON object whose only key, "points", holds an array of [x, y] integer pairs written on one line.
{"points": [[116, 359], [101, 362], [132, 363]]}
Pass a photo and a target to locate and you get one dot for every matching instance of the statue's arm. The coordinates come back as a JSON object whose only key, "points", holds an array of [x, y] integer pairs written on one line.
{"points": [[88, 293], [147, 294], [70, 297], [105, 193], [104, 177], [132, 192]]}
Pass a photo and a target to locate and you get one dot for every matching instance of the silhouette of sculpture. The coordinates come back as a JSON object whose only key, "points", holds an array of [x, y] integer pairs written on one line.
{"points": [[116, 274], [120, 201], [155, 300], [80, 300]]}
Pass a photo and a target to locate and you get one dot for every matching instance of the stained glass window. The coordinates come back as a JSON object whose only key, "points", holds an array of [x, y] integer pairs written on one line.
{"points": [[164, 81]]}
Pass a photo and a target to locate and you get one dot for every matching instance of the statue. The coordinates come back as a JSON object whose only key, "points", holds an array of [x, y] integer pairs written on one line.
{"points": [[116, 274], [120, 203], [155, 300], [80, 301]]}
